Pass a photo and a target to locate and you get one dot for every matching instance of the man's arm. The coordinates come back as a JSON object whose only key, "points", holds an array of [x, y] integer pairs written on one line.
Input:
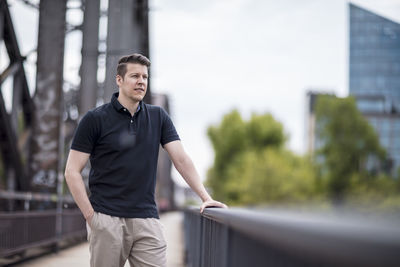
{"points": [[185, 167], [75, 163]]}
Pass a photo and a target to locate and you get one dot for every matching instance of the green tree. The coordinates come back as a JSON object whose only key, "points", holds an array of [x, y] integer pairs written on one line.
{"points": [[252, 166], [269, 176], [348, 143]]}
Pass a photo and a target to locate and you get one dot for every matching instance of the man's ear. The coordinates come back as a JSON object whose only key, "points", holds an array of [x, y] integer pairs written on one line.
{"points": [[119, 79]]}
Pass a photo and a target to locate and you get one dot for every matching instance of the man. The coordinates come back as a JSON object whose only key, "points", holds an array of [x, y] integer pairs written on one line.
{"points": [[122, 140]]}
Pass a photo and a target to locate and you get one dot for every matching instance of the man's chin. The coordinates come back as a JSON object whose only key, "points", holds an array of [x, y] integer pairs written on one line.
{"points": [[138, 98]]}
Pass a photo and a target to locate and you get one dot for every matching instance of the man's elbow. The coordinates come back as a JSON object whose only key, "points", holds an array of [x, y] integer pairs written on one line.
{"points": [[183, 161], [69, 175]]}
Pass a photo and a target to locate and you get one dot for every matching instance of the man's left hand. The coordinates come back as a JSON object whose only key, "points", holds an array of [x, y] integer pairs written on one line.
{"points": [[212, 203]]}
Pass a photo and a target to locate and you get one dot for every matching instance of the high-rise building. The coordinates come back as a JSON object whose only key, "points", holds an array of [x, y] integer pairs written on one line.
{"points": [[374, 75], [313, 142]]}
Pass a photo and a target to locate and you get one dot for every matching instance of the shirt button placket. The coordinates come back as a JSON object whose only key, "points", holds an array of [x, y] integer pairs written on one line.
{"points": [[131, 126]]}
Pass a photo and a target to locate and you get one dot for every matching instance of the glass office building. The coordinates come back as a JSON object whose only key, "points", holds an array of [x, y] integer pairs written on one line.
{"points": [[374, 78]]}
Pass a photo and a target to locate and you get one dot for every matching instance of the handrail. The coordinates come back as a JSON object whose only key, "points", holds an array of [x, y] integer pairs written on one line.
{"points": [[319, 238], [29, 196]]}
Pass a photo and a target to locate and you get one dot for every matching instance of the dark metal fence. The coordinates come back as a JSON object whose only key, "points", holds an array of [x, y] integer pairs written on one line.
{"points": [[22, 230], [239, 237]]}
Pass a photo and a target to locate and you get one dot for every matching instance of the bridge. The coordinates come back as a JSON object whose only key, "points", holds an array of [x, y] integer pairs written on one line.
{"points": [[40, 224]]}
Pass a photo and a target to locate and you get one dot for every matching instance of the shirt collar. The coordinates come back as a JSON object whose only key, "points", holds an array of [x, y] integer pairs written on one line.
{"points": [[118, 106]]}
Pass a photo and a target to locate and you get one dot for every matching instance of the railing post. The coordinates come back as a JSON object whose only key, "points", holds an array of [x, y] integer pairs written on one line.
{"points": [[27, 205], [202, 239]]}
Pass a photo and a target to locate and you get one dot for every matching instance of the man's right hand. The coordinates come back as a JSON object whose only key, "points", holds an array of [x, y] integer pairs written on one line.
{"points": [[89, 218]]}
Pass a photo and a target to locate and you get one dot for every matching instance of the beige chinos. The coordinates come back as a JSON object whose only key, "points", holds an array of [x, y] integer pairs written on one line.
{"points": [[113, 240]]}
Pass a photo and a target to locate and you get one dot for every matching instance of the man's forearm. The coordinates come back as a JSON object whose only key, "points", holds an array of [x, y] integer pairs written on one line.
{"points": [[185, 167], [188, 171], [78, 191]]}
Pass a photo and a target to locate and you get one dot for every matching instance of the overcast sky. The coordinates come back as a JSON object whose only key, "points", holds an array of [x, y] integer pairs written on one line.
{"points": [[212, 56], [257, 56]]}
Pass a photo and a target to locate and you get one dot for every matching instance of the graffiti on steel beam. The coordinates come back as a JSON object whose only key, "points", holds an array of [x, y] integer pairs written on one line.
{"points": [[47, 117]]}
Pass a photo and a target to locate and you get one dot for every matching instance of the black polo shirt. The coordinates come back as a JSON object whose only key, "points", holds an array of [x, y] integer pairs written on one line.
{"points": [[123, 155]]}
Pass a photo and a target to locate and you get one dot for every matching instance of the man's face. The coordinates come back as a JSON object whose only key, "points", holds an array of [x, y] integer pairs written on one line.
{"points": [[133, 85]]}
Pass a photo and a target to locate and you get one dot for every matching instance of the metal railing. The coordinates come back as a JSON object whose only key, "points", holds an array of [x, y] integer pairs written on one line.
{"points": [[22, 230], [240, 237], [28, 197]]}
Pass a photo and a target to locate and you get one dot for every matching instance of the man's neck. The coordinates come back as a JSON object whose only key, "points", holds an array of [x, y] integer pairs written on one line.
{"points": [[128, 104]]}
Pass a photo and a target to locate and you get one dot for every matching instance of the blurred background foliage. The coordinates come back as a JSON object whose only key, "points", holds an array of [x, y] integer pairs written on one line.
{"points": [[252, 165]]}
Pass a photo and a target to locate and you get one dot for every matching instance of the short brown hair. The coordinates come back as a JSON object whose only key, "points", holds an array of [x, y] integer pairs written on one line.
{"points": [[134, 58]]}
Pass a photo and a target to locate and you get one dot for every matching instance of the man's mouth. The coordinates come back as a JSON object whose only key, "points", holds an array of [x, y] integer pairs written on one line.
{"points": [[139, 89]]}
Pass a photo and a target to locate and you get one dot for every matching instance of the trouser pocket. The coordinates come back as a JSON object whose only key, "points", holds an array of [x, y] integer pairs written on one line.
{"points": [[89, 228]]}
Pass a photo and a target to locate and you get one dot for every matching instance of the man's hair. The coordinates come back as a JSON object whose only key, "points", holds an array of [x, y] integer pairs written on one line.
{"points": [[134, 58]]}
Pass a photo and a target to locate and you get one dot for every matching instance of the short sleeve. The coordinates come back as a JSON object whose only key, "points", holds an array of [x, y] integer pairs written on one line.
{"points": [[85, 134], [168, 131]]}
